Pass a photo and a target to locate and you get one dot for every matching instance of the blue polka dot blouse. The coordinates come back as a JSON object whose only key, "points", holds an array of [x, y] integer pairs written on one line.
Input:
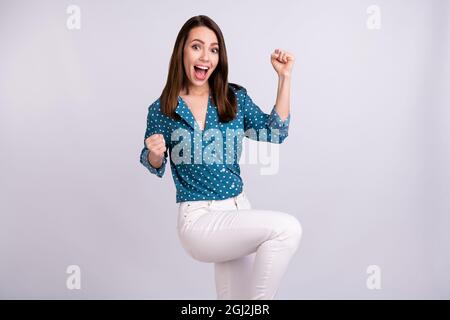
{"points": [[205, 163]]}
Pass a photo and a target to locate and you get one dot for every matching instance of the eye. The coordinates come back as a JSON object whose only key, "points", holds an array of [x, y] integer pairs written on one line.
{"points": [[195, 46], [216, 50]]}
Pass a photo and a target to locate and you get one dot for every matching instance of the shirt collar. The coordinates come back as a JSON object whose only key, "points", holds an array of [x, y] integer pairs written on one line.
{"points": [[183, 110]]}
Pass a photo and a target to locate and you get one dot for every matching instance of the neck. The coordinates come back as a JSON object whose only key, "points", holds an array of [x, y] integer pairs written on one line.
{"points": [[197, 91]]}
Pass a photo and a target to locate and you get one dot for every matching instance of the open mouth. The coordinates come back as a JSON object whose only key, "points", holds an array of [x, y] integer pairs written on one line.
{"points": [[200, 72]]}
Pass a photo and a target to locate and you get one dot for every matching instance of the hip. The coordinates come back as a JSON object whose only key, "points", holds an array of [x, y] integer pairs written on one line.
{"points": [[190, 211]]}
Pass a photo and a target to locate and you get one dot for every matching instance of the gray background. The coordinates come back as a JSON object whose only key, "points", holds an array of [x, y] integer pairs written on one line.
{"points": [[365, 167]]}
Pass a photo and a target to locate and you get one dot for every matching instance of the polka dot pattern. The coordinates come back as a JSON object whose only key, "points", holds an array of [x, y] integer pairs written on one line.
{"points": [[213, 172]]}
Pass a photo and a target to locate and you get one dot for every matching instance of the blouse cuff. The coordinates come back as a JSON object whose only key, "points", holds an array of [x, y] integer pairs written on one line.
{"points": [[276, 122], [157, 171]]}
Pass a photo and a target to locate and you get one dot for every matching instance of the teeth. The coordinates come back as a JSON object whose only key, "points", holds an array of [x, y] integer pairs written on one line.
{"points": [[201, 67]]}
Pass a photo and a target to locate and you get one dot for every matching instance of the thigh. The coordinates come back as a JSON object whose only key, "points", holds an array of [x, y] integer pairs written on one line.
{"points": [[218, 234]]}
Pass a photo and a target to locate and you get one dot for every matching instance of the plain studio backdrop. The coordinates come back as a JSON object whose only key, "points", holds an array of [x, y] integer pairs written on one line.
{"points": [[365, 167]]}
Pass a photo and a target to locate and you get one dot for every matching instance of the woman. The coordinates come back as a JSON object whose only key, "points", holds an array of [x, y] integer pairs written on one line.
{"points": [[197, 118]]}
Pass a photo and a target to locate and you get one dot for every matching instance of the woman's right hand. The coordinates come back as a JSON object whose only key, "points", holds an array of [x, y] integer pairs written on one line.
{"points": [[156, 145]]}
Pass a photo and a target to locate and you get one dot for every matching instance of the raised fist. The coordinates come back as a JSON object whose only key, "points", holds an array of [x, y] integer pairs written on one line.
{"points": [[156, 145], [282, 62]]}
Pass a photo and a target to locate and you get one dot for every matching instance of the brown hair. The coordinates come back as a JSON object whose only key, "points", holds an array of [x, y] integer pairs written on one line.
{"points": [[223, 97]]}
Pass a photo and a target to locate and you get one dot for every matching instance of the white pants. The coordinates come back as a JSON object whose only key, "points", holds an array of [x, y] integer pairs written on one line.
{"points": [[250, 249]]}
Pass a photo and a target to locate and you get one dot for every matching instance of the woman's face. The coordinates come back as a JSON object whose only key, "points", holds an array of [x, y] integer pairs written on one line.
{"points": [[201, 52]]}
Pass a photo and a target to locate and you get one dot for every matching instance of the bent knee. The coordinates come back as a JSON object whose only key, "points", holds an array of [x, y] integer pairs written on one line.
{"points": [[296, 228], [291, 230]]}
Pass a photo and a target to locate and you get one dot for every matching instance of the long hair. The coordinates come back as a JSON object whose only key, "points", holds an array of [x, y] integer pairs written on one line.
{"points": [[223, 97]]}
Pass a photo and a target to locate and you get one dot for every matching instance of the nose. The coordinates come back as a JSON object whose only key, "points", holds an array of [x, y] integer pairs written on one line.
{"points": [[205, 55]]}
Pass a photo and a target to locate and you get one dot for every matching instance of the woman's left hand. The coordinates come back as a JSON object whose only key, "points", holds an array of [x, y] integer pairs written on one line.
{"points": [[282, 62]]}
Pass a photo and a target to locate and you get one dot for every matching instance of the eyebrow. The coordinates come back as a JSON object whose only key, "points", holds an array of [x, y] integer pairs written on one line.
{"points": [[202, 41]]}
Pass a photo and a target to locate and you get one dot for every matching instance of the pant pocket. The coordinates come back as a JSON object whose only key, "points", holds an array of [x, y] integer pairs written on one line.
{"points": [[190, 212]]}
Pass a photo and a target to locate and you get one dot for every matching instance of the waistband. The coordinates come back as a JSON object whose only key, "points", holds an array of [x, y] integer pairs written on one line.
{"points": [[210, 202]]}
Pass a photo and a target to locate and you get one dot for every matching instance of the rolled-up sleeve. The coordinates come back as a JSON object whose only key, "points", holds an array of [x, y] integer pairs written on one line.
{"points": [[261, 126], [157, 171], [153, 126]]}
